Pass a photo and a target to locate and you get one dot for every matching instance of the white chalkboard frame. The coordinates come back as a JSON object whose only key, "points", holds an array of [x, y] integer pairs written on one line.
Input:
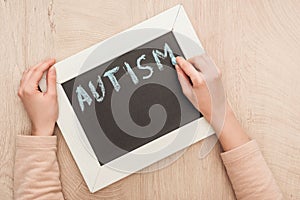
{"points": [[96, 176]]}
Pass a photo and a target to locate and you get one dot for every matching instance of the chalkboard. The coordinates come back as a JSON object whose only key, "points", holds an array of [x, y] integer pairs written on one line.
{"points": [[130, 100]]}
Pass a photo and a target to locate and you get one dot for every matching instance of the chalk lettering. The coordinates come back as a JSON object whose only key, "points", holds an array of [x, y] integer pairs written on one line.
{"points": [[157, 55], [131, 73], [82, 97], [112, 78], [138, 63], [94, 92]]}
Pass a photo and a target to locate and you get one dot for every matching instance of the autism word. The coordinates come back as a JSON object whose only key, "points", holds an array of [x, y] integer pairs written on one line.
{"points": [[83, 96]]}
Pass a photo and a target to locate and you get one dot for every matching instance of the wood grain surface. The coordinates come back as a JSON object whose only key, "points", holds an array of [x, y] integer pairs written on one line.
{"points": [[255, 43]]}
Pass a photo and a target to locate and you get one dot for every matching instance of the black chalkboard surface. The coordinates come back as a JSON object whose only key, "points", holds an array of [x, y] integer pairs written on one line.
{"points": [[130, 100]]}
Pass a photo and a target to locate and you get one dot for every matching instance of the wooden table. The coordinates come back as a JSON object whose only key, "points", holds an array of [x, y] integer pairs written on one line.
{"points": [[255, 43]]}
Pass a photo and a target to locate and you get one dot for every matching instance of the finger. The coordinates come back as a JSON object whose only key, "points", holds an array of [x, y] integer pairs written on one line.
{"points": [[26, 70], [183, 75], [37, 72], [188, 69], [25, 76], [25, 88], [51, 81], [184, 81], [199, 62], [33, 68], [205, 64], [37, 65]]}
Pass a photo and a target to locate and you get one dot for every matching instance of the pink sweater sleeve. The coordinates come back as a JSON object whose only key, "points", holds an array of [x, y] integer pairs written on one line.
{"points": [[249, 174], [36, 172]]}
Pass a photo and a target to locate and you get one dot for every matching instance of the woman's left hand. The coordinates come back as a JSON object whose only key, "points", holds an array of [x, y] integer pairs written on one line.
{"points": [[42, 108]]}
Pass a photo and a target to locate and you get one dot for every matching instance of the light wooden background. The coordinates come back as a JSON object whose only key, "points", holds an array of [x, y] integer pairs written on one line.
{"points": [[255, 43]]}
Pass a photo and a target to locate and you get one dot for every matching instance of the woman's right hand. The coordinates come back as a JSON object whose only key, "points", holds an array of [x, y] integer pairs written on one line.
{"points": [[200, 80]]}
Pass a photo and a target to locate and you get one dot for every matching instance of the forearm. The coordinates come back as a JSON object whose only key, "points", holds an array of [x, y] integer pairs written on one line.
{"points": [[36, 172], [249, 174], [200, 80], [232, 134]]}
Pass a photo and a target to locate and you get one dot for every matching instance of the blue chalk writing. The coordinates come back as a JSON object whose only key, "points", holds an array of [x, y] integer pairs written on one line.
{"points": [[158, 63], [132, 75], [138, 63], [173, 60], [157, 55], [112, 78], [94, 92], [82, 97]]}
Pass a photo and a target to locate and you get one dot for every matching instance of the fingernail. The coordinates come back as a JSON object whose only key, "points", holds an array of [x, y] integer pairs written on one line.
{"points": [[52, 70]]}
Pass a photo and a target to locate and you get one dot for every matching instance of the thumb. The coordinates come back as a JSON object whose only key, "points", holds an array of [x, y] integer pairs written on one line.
{"points": [[51, 81], [184, 81]]}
